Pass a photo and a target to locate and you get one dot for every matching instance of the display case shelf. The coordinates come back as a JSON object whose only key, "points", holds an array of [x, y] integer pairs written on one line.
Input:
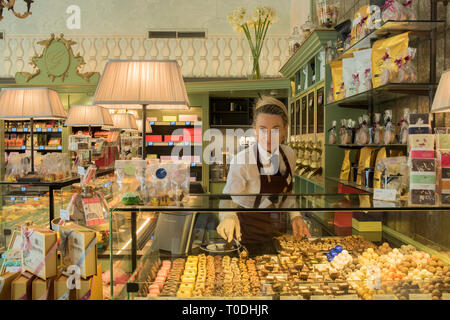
{"points": [[175, 123], [390, 27], [173, 144], [385, 93], [357, 146]]}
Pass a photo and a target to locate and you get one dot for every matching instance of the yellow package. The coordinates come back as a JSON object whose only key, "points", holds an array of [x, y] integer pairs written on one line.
{"points": [[361, 21], [338, 82], [345, 168], [385, 53], [377, 174], [366, 160]]}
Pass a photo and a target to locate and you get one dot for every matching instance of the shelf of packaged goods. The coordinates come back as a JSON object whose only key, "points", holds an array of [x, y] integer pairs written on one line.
{"points": [[417, 28], [176, 123], [231, 126], [385, 93], [356, 146], [44, 130], [173, 144], [39, 149]]}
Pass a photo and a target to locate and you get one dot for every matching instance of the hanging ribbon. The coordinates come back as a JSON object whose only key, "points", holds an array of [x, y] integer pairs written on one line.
{"points": [[386, 56], [398, 62], [367, 72], [26, 242], [361, 23], [355, 79], [29, 285], [87, 295]]}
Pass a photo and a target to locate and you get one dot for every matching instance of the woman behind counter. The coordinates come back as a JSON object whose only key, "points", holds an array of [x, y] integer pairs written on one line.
{"points": [[264, 168]]}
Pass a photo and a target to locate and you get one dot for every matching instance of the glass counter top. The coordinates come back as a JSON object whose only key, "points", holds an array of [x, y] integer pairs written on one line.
{"points": [[297, 202]]}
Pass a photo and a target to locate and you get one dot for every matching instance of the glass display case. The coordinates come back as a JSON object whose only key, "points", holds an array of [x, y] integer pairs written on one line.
{"points": [[389, 250]]}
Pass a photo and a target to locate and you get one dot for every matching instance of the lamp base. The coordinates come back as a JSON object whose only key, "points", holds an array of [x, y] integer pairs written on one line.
{"points": [[30, 177]]}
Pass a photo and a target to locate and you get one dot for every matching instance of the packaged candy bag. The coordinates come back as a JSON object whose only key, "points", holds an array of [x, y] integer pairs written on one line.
{"points": [[350, 76], [406, 69], [358, 129], [350, 131], [408, 11], [392, 10], [343, 135], [360, 26], [364, 66], [384, 54], [404, 127], [364, 130], [179, 176], [389, 128], [130, 176], [330, 97], [332, 138], [330, 52], [338, 82], [377, 129], [17, 167]]}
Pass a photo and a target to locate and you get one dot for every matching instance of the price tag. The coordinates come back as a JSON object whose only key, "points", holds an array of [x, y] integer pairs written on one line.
{"points": [[193, 164], [108, 184], [36, 198], [150, 144], [59, 147], [14, 129], [172, 123], [41, 147], [38, 129], [385, 194], [49, 129], [188, 123], [81, 171], [59, 129], [25, 129], [23, 147], [24, 198], [64, 214], [420, 296], [170, 144], [13, 198], [152, 123], [23, 189], [384, 297]]}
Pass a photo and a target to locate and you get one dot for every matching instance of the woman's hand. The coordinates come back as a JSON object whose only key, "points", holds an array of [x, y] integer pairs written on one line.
{"points": [[299, 228]]}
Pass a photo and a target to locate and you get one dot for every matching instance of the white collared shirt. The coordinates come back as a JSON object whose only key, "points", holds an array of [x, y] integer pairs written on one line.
{"points": [[244, 177]]}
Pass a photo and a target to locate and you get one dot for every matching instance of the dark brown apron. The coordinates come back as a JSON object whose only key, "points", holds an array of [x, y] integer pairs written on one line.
{"points": [[261, 227]]}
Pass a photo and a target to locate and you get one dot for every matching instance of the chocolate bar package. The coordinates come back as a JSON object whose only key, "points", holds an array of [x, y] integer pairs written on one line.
{"points": [[445, 198], [422, 178], [443, 141], [423, 165], [445, 173], [441, 130], [421, 142], [444, 158], [423, 197], [418, 119]]}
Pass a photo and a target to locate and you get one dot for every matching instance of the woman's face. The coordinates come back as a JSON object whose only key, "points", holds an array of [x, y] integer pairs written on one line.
{"points": [[270, 131]]}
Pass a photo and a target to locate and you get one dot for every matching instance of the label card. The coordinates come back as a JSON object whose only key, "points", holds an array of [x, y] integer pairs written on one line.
{"points": [[347, 297], [93, 211], [81, 171], [445, 296], [384, 297], [64, 214], [385, 194], [321, 297]]}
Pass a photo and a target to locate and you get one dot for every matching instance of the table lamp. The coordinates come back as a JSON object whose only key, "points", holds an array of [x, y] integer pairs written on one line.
{"points": [[88, 116], [142, 84], [30, 104], [441, 102]]}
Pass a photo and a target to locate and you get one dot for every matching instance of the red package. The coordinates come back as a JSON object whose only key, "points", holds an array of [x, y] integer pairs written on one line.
{"points": [[422, 154], [173, 138], [154, 138], [445, 160]]}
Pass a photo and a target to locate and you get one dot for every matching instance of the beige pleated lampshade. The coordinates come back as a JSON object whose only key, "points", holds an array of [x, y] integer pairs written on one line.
{"points": [[441, 102], [158, 84], [148, 127], [26, 103], [88, 115], [124, 121]]}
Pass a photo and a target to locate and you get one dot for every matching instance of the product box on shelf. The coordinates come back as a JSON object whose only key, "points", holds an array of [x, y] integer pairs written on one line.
{"points": [[39, 253], [5, 284], [173, 138], [21, 287], [42, 289], [169, 118], [154, 138], [61, 289], [187, 117], [79, 247]]}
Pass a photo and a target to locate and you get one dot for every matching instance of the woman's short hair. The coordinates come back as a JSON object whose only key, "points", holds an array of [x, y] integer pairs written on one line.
{"points": [[270, 105]]}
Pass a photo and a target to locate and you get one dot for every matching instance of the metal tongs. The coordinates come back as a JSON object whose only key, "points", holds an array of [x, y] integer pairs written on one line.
{"points": [[243, 252]]}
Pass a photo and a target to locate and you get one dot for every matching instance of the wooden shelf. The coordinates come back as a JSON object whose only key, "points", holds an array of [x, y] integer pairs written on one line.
{"points": [[357, 146], [175, 123], [53, 130]]}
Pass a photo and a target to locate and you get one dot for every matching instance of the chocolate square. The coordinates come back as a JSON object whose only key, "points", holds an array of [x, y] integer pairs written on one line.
{"points": [[445, 173], [423, 197], [423, 165], [419, 118]]}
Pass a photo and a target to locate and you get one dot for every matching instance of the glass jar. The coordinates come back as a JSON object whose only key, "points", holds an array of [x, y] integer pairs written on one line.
{"points": [[327, 13]]}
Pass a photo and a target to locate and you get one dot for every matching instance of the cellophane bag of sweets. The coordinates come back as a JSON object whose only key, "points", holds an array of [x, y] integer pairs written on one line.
{"points": [[350, 131], [393, 10], [364, 68], [130, 176], [358, 129], [350, 76], [364, 136], [409, 13], [407, 71], [389, 128], [360, 24], [332, 138], [377, 129], [404, 127], [343, 136], [179, 176], [385, 52]]}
